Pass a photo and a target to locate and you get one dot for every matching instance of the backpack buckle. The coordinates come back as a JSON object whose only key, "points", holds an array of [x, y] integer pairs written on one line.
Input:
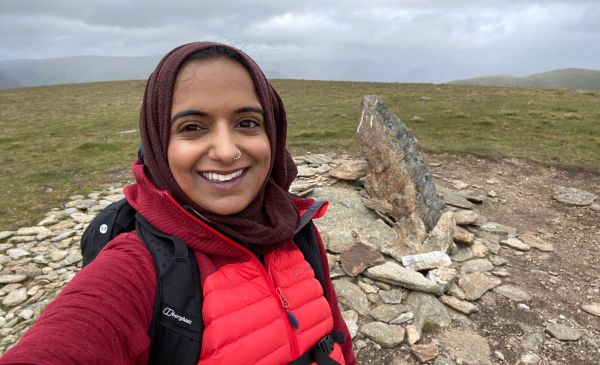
{"points": [[325, 345]]}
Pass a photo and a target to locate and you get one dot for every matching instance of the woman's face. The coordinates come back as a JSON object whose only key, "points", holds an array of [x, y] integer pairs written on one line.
{"points": [[216, 113]]}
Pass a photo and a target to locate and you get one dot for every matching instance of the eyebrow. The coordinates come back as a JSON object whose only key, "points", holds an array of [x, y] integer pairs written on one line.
{"points": [[200, 113]]}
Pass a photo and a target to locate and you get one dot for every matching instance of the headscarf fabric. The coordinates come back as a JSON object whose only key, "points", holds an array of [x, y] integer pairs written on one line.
{"points": [[270, 219]]}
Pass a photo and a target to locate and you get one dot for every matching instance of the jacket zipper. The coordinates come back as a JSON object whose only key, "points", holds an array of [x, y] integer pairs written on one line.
{"points": [[275, 291]]}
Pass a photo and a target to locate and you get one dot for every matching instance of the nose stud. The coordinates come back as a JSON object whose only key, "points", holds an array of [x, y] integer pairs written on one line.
{"points": [[238, 155]]}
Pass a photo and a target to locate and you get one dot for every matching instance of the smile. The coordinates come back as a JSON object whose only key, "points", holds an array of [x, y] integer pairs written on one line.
{"points": [[213, 176]]}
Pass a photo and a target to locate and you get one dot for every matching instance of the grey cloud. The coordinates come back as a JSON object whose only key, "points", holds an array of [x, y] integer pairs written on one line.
{"points": [[449, 38]]}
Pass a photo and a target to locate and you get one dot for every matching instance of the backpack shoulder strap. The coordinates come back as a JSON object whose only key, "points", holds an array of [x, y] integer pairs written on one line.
{"points": [[116, 218], [176, 328], [306, 240]]}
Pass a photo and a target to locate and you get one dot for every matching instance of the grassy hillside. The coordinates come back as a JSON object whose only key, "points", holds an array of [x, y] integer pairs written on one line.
{"points": [[569, 78], [63, 140]]}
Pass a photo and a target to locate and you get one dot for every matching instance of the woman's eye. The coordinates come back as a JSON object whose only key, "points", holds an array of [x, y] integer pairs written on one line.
{"points": [[248, 123], [191, 127]]}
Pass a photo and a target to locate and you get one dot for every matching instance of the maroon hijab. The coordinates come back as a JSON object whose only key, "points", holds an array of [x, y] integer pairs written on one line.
{"points": [[270, 218]]}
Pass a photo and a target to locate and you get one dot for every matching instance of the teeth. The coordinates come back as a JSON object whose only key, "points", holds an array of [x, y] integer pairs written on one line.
{"points": [[212, 176]]}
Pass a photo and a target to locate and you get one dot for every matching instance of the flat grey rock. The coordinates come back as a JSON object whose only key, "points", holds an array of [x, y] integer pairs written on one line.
{"points": [[386, 312], [476, 284], [573, 196], [394, 273], [466, 347], [351, 295], [428, 310], [563, 332], [386, 335], [593, 308], [513, 293]]}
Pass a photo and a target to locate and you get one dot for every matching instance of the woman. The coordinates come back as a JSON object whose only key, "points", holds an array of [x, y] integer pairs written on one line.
{"points": [[214, 173]]}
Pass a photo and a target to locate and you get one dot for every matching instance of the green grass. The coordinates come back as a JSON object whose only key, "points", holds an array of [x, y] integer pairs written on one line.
{"points": [[63, 140]]}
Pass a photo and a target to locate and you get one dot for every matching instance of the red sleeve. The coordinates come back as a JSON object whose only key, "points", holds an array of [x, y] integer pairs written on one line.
{"points": [[338, 322], [101, 317]]}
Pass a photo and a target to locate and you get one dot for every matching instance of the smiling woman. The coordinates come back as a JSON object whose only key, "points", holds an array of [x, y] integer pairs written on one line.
{"points": [[219, 150], [212, 177]]}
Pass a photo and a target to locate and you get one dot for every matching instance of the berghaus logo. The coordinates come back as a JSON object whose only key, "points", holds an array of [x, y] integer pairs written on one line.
{"points": [[171, 313]]}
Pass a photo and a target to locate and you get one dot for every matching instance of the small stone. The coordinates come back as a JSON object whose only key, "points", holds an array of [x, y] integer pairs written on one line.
{"points": [[460, 305], [403, 318], [524, 307], [7, 279], [463, 236], [530, 359], [476, 265], [15, 297], [532, 342], [82, 217], [425, 352], [562, 332], [358, 258], [479, 249], [17, 253], [453, 198], [499, 355], [367, 288], [386, 335], [386, 313], [440, 237], [573, 196], [412, 334], [32, 231], [6, 234], [492, 194], [351, 295], [516, 244], [426, 261], [462, 253], [465, 347], [393, 273], [351, 319], [492, 246], [21, 239], [442, 276], [57, 255], [392, 296], [459, 185], [530, 239], [498, 260], [593, 308], [26, 314], [498, 229], [465, 217], [428, 311], [349, 170], [476, 284], [513, 293]]}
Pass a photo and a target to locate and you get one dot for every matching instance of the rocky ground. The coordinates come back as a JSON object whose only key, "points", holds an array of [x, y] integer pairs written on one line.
{"points": [[515, 277]]}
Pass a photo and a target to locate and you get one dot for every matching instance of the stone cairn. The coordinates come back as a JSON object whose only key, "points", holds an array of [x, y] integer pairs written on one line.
{"points": [[408, 259]]}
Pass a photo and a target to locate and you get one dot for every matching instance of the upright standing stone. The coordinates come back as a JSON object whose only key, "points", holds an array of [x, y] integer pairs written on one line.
{"points": [[396, 172]]}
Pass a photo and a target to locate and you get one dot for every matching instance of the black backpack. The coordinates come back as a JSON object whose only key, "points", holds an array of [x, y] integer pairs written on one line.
{"points": [[176, 328]]}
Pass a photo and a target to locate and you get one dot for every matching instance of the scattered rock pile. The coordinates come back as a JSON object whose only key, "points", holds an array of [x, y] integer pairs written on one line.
{"points": [[401, 307]]}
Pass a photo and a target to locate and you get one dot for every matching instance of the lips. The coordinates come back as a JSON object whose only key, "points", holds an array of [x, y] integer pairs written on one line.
{"points": [[217, 177]]}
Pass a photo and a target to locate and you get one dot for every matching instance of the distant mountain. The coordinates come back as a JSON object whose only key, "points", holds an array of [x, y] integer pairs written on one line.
{"points": [[63, 70], [568, 78], [7, 81]]}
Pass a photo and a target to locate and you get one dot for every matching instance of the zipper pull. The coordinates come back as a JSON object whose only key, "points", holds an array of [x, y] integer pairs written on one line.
{"points": [[284, 303]]}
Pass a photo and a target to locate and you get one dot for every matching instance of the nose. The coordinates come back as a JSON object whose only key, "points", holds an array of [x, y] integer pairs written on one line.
{"points": [[224, 147]]}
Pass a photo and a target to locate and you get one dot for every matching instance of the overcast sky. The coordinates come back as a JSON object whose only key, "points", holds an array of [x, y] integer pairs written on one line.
{"points": [[379, 40]]}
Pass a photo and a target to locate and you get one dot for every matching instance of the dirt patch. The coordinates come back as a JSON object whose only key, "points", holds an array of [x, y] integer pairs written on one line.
{"points": [[559, 282]]}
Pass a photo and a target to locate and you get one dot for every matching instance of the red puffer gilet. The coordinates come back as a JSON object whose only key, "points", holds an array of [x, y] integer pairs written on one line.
{"points": [[102, 316]]}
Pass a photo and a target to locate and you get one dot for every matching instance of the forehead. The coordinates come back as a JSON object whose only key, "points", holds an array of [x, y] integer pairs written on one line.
{"points": [[213, 76]]}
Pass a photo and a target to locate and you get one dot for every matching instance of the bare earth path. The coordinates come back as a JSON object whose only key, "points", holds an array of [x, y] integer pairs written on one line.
{"points": [[560, 282]]}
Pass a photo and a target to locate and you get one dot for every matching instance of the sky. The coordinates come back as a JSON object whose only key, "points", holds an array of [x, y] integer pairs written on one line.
{"points": [[372, 40]]}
